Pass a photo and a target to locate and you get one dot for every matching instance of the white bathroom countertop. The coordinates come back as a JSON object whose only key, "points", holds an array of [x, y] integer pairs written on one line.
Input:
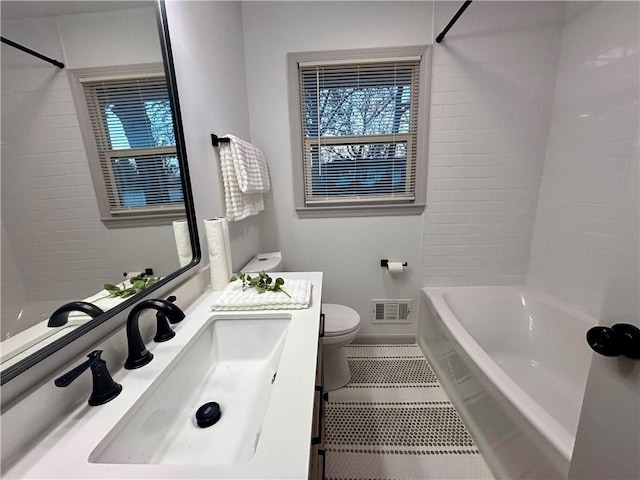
{"points": [[284, 446]]}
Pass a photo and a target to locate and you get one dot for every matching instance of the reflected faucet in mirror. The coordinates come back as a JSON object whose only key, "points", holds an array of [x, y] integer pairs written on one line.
{"points": [[139, 356], [61, 315]]}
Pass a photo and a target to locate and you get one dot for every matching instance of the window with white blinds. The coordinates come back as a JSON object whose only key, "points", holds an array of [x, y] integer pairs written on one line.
{"points": [[132, 124], [359, 131]]}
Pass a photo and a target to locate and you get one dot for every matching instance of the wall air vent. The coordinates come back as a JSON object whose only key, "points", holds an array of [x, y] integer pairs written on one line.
{"points": [[391, 311]]}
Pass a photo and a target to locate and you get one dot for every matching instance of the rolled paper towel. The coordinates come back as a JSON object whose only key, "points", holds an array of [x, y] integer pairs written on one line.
{"points": [[227, 245], [217, 233], [183, 242]]}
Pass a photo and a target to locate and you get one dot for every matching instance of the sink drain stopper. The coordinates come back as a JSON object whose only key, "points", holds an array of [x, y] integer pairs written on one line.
{"points": [[208, 414]]}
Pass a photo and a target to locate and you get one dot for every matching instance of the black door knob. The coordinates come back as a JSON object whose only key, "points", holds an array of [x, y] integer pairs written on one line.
{"points": [[620, 339]]}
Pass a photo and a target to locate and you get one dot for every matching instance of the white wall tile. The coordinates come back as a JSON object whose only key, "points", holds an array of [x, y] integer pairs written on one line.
{"points": [[493, 90], [32, 142], [608, 436], [592, 141], [14, 293]]}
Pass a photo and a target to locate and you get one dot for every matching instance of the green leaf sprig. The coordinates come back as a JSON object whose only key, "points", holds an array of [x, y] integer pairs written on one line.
{"points": [[138, 284], [262, 283]]}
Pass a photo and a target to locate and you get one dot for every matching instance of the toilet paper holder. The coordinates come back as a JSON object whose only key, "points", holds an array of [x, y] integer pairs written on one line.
{"points": [[385, 263]]}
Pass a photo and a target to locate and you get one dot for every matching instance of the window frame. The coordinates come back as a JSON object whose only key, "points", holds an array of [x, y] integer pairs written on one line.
{"points": [[360, 208], [134, 218]]}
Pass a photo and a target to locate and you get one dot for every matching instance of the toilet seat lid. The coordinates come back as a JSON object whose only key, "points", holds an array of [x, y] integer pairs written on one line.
{"points": [[339, 319], [269, 262]]}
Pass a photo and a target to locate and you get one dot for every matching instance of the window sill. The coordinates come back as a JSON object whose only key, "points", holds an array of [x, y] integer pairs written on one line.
{"points": [[360, 211], [143, 220]]}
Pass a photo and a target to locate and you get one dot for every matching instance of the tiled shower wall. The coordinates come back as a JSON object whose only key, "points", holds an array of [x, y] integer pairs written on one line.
{"points": [[49, 211], [492, 92], [593, 139], [14, 295]]}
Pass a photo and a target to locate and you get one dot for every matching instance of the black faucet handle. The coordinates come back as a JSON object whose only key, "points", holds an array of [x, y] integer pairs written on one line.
{"points": [[105, 388], [163, 330], [66, 379], [176, 315]]}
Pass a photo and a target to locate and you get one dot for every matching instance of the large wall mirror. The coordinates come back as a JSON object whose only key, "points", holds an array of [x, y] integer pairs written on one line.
{"points": [[95, 188]]}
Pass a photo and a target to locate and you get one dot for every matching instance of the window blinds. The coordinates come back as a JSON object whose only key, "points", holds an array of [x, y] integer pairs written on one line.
{"points": [[359, 124], [132, 124]]}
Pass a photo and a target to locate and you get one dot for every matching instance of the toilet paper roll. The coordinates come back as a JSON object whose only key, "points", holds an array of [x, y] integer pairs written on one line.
{"points": [[183, 242], [396, 269], [217, 233]]}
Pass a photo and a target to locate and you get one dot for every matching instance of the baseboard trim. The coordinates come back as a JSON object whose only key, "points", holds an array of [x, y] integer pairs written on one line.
{"points": [[389, 339]]}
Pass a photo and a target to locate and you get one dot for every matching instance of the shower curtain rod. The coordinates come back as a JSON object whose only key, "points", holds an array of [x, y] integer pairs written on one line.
{"points": [[32, 52], [455, 18]]}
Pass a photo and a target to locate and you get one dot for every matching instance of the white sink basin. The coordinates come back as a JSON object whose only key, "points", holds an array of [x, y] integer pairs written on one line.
{"points": [[231, 361]]}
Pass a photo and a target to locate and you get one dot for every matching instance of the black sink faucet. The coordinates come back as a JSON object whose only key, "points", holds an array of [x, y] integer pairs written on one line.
{"points": [[139, 356], [61, 315]]}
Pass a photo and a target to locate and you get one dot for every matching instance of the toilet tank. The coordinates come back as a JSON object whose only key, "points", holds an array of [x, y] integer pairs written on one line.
{"points": [[269, 262]]}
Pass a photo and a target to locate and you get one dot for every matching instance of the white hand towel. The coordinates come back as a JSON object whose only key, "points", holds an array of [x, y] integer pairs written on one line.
{"points": [[238, 204], [217, 233], [250, 166], [234, 298]]}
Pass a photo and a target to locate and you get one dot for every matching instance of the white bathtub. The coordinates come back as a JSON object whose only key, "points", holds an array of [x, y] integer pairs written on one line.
{"points": [[515, 364]]}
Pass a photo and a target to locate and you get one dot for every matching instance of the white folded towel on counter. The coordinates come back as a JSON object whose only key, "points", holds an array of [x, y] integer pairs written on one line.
{"points": [[234, 298]]}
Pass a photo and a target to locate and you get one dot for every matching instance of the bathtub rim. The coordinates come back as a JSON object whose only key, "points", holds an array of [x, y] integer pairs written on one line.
{"points": [[558, 436]]}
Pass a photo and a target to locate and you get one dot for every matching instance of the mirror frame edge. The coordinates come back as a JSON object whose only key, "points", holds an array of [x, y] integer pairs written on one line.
{"points": [[168, 281]]}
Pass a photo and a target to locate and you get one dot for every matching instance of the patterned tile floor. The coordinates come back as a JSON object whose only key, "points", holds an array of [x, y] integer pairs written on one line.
{"points": [[393, 421]]}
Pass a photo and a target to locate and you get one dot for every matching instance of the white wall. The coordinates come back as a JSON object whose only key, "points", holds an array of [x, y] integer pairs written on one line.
{"points": [[493, 83], [600, 60], [208, 49], [48, 203], [121, 37], [593, 137], [608, 438], [347, 250]]}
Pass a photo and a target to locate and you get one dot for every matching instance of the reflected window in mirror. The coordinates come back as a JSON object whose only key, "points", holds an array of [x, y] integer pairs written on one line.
{"points": [[128, 131]]}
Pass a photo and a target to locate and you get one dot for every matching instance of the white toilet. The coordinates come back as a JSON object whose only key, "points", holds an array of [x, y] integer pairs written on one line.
{"points": [[341, 326]]}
